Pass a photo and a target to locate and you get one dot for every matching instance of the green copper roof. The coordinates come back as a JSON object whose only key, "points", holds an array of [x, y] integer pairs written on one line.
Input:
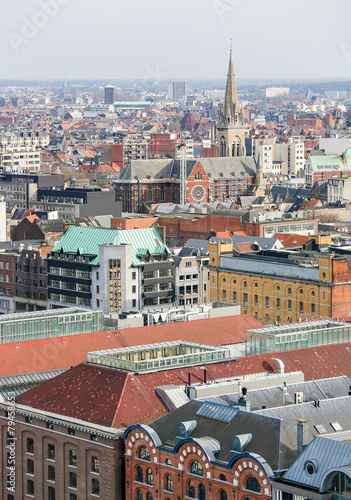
{"points": [[88, 239], [332, 162]]}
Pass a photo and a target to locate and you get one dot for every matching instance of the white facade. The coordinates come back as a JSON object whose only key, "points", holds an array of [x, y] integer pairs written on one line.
{"points": [[191, 281], [21, 161], [119, 293], [291, 155]]}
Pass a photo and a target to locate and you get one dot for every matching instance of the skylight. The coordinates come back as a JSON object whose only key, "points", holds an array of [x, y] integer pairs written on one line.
{"points": [[320, 429], [336, 426]]}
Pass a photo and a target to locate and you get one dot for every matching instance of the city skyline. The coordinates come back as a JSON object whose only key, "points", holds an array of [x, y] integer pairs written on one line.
{"points": [[51, 38]]}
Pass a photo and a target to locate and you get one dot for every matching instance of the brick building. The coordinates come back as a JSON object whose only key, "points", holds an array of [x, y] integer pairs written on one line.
{"points": [[207, 179], [59, 458], [276, 287], [7, 280], [174, 457], [203, 226]]}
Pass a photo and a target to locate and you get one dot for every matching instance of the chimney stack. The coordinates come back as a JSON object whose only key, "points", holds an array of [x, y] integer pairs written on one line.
{"points": [[302, 435]]}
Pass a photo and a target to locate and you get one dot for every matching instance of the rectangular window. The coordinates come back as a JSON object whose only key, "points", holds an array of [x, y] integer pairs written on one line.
{"points": [[97, 276], [134, 289], [30, 445], [134, 276], [234, 296], [51, 452], [71, 432], [289, 305], [73, 480], [301, 307], [246, 299], [97, 289], [256, 300], [30, 487], [224, 294], [278, 303], [30, 466], [95, 464], [51, 493], [134, 303], [51, 473], [267, 302], [313, 308], [95, 487], [72, 496], [73, 458]]}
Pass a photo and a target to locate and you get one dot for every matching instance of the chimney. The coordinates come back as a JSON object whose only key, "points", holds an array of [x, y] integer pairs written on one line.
{"points": [[205, 376], [189, 378], [243, 401], [302, 435]]}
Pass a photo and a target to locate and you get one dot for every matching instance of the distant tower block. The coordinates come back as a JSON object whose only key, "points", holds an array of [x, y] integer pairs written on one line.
{"points": [[109, 94]]}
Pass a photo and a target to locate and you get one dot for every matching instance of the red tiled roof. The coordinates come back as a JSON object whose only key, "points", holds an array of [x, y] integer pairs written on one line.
{"points": [[62, 352], [115, 398], [291, 240]]}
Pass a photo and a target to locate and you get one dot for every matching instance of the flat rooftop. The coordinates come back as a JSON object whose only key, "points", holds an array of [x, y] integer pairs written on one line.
{"points": [[151, 357]]}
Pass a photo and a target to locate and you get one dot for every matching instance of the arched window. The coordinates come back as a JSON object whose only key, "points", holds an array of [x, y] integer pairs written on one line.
{"points": [[245, 284], [222, 477], [253, 485], [148, 496], [196, 468], [139, 495], [139, 474], [202, 492], [223, 147], [191, 489], [149, 477], [169, 482], [144, 453], [162, 193], [289, 291], [222, 495]]}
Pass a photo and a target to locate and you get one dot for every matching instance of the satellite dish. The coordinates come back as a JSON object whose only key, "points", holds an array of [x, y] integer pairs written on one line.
{"points": [[314, 396]]}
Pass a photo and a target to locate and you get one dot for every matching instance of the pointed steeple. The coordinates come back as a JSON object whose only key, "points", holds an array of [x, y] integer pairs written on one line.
{"points": [[231, 113]]}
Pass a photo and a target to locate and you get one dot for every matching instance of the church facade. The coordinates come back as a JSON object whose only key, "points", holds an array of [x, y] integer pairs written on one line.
{"points": [[226, 177]]}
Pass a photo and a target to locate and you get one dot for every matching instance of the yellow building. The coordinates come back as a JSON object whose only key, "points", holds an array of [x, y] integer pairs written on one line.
{"points": [[273, 289]]}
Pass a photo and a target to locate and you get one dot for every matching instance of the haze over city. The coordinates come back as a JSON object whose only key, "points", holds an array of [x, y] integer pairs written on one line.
{"points": [[161, 39]]}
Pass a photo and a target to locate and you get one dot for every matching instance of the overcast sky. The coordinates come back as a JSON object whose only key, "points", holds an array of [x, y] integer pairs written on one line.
{"points": [[164, 39]]}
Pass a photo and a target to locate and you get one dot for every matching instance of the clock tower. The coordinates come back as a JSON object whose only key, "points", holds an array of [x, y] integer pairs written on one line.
{"points": [[231, 131]]}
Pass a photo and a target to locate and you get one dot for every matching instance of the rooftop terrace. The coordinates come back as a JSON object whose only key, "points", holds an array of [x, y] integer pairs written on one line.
{"points": [[152, 357]]}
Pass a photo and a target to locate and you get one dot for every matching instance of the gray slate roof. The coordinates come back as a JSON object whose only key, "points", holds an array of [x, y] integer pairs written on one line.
{"points": [[168, 168], [328, 453], [272, 397]]}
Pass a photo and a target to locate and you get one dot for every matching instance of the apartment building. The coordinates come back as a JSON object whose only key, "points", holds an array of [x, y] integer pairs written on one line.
{"points": [[76, 202], [111, 270], [19, 140], [19, 189], [191, 278], [20, 161]]}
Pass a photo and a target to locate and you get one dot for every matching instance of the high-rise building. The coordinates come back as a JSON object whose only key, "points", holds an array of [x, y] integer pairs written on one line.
{"points": [[231, 131], [109, 94], [178, 91]]}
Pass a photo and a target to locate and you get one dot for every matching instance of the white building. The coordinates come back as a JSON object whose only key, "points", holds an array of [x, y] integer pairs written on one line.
{"points": [[20, 160], [291, 155]]}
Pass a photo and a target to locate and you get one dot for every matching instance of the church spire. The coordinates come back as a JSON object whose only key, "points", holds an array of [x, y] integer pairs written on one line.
{"points": [[231, 113]]}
